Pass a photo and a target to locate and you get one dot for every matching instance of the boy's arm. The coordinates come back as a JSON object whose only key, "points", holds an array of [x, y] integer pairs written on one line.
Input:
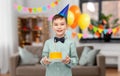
{"points": [[73, 55], [45, 52]]}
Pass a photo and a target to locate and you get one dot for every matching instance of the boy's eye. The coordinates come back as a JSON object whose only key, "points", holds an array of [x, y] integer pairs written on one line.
{"points": [[55, 24], [62, 24]]}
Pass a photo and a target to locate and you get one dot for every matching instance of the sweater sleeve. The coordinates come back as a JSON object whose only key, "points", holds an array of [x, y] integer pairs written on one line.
{"points": [[45, 52], [73, 55]]}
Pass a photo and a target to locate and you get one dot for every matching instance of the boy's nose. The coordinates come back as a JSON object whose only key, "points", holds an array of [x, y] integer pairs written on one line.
{"points": [[59, 26]]}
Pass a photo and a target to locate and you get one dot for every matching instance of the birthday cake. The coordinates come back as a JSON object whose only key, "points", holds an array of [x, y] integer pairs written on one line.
{"points": [[55, 55]]}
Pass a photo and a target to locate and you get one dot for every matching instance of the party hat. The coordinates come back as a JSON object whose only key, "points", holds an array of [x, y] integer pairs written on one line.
{"points": [[64, 12]]}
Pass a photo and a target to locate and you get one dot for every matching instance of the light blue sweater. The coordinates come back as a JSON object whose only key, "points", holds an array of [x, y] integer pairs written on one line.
{"points": [[67, 48]]}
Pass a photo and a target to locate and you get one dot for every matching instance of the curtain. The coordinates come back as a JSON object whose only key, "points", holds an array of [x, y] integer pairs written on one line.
{"points": [[8, 34]]}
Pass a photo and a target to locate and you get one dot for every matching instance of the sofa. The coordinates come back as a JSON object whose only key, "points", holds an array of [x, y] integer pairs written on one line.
{"points": [[38, 70]]}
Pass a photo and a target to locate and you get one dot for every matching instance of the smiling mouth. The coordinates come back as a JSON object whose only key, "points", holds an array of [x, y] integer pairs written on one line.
{"points": [[59, 30]]}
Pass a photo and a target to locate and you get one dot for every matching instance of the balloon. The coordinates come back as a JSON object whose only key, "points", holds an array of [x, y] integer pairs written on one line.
{"points": [[74, 25], [70, 18], [76, 11], [84, 21]]}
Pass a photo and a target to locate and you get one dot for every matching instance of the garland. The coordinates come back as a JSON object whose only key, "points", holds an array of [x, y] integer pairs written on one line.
{"points": [[105, 31], [97, 32], [36, 10]]}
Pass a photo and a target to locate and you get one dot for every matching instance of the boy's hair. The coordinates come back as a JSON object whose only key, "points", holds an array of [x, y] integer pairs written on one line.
{"points": [[58, 16]]}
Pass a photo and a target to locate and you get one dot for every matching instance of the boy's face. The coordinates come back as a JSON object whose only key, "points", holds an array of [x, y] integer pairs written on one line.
{"points": [[59, 26]]}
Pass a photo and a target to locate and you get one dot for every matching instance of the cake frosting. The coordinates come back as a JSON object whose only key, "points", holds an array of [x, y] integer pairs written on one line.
{"points": [[55, 55]]}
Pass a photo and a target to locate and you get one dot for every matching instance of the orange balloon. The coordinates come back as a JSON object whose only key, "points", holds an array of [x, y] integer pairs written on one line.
{"points": [[74, 25], [76, 11]]}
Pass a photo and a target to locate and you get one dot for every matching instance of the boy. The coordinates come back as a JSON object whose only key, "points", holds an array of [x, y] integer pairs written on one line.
{"points": [[59, 43]]}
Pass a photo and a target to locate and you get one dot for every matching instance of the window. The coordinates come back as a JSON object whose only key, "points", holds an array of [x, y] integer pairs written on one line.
{"points": [[105, 23]]}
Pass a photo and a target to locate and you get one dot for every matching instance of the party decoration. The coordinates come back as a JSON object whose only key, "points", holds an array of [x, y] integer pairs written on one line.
{"points": [[74, 34], [101, 26], [90, 27], [70, 18], [52, 4], [117, 29], [34, 10], [39, 9], [105, 31], [44, 8], [64, 12], [97, 34], [100, 30], [95, 29], [85, 35], [48, 6], [30, 10], [76, 11], [109, 31], [84, 21], [50, 17], [79, 35], [114, 30], [25, 9], [56, 2], [21, 8], [74, 25]]}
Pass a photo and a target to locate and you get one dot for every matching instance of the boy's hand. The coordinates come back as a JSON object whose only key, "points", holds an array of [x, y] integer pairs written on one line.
{"points": [[66, 60], [46, 61]]}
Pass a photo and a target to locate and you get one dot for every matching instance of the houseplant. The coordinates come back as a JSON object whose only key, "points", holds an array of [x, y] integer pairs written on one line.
{"points": [[104, 23]]}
